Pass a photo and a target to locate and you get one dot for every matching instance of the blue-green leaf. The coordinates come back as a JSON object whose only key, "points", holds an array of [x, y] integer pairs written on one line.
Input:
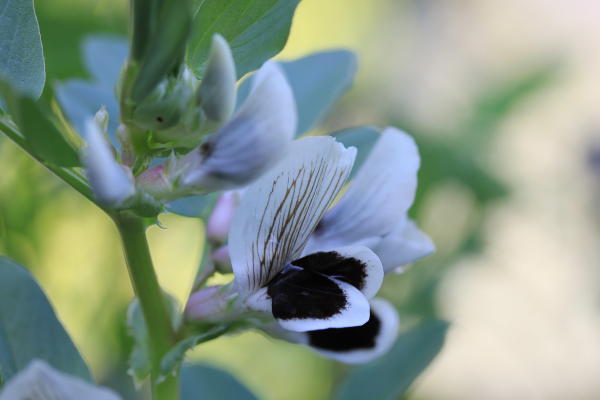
{"points": [[318, 81], [22, 60], [29, 328], [193, 206], [389, 377], [104, 57], [210, 383], [79, 99], [363, 138], [256, 30]]}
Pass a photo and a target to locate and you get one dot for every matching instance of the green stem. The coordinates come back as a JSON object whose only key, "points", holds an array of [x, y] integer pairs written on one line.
{"points": [[151, 299], [71, 176]]}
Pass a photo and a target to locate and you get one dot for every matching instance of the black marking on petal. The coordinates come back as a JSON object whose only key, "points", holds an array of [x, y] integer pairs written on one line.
{"points": [[300, 294], [347, 339], [331, 263], [206, 149]]}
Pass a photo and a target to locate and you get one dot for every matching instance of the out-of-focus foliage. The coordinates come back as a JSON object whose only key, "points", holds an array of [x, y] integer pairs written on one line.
{"points": [[389, 377], [211, 383]]}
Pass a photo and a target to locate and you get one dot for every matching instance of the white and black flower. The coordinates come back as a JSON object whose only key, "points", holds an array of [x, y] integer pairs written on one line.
{"points": [[352, 345], [268, 234], [373, 212]]}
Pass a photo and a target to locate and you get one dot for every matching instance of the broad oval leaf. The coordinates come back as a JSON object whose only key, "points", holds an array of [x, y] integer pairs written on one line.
{"points": [[256, 30], [29, 328], [361, 137], [210, 383], [390, 376], [22, 61]]}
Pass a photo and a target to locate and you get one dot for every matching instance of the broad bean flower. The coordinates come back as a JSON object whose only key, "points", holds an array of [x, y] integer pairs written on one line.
{"points": [[372, 213]]}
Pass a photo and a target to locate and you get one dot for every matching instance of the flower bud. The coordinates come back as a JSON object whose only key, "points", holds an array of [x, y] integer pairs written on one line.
{"points": [[111, 182], [164, 106], [217, 92], [206, 303], [222, 259], [219, 221]]}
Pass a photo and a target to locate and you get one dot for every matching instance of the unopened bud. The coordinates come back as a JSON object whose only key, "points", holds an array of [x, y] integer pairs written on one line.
{"points": [[217, 92], [222, 259], [219, 221], [111, 182], [165, 105], [207, 303]]}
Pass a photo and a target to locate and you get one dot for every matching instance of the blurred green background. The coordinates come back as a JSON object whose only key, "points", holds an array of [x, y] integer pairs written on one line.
{"points": [[503, 99]]}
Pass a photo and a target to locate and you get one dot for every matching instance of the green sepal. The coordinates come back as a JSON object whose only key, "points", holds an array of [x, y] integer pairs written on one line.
{"points": [[166, 47]]}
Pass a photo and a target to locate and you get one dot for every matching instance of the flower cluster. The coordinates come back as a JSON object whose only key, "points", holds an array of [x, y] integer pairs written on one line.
{"points": [[307, 260], [235, 147]]}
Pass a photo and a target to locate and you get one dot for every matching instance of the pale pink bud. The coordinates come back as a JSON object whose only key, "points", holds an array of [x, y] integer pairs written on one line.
{"points": [[205, 303], [219, 221]]}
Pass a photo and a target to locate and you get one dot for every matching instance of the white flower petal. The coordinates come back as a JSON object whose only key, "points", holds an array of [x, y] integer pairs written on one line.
{"points": [[354, 313], [404, 245], [359, 344], [279, 211], [356, 265], [252, 141], [111, 183], [217, 90], [39, 381], [384, 189]]}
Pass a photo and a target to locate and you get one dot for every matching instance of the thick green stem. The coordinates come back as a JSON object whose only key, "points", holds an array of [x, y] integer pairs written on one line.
{"points": [[151, 300]]}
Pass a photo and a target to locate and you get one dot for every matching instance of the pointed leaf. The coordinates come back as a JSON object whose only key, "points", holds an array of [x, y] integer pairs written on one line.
{"points": [[29, 328], [256, 30]]}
